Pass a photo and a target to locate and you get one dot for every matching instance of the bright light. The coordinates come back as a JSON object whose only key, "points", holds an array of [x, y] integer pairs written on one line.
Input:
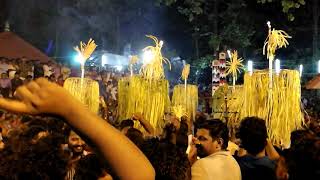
{"points": [[78, 58], [319, 66], [104, 59], [300, 69], [147, 56], [91, 58], [161, 43], [250, 67], [269, 24], [229, 53], [119, 68], [277, 64]]}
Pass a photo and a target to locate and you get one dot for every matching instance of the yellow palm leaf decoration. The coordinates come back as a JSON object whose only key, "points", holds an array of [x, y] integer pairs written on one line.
{"points": [[234, 66], [133, 59], [276, 39], [154, 68], [85, 50], [179, 111], [185, 72]]}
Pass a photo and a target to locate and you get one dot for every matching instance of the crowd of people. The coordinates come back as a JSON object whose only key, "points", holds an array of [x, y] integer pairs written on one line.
{"points": [[42, 137]]}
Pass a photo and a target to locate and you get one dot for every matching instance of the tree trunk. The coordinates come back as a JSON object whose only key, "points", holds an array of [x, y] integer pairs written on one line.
{"points": [[315, 30]]}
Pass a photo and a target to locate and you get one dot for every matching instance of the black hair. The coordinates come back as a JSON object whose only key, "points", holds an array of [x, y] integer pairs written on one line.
{"points": [[303, 159], [90, 167], [126, 123], [23, 158], [135, 136], [168, 160], [217, 129], [253, 134]]}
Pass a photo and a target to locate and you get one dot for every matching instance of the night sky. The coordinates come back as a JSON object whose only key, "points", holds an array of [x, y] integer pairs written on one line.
{"points": [[69, 21]]}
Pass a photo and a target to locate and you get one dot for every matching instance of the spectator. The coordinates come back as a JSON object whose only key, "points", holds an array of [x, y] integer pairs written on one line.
{"points": [[111, 143], [92, 167], [23, 67], [76, 147], [65, 71], [169, 162], [5, 85], [28, 79], [52, 78], [60, 80], [255, 164], [303, 159], [16, 82], [11, 69], [211, 141], [30, 68], [4, 66], [47, 69], [125, 125]]}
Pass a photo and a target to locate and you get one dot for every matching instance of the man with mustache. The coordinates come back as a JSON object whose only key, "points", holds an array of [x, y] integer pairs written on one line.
{"points": [[76, 147], [210, 145]]}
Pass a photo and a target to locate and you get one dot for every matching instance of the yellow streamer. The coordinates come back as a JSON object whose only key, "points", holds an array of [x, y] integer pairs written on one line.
{"points": [[189, 101], [185, 72], [153, 70], [283, 113], [139, 95], [85, 90]]}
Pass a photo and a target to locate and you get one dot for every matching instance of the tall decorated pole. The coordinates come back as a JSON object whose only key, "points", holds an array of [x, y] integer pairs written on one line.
{"points": [[85, 90], [276, 39], [147, 92], [185, 75], [84, 53], [133, 60]]}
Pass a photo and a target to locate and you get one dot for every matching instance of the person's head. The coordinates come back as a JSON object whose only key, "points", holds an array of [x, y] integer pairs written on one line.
{"points": [[24, 158], [135, 136], [76, 144], [253, 135], [29, 77], [60, 78], [91, 167], [17, 75], [125, 125], [300, 135], [168, 160], [52, 78], [212, 136], [4, 75], [303, 159]]}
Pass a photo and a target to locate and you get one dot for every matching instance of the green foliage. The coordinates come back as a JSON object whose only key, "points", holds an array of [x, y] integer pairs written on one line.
{"points": [[287, 6], [188, 8], [202, 63]]}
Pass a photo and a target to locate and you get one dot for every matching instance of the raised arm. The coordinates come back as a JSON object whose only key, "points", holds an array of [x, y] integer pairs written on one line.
{"points": [[146, 125], [271, 152], [43, 97]]}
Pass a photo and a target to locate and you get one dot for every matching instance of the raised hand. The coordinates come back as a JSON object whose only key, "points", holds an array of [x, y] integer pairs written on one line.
{"points": [[38, 97]]}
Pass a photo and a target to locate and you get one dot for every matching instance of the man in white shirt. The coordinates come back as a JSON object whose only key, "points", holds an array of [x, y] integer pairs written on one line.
{"points": [[216, 162]]}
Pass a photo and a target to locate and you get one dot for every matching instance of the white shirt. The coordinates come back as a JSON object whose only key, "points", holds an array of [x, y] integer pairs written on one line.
{"points": [[217, 166]]}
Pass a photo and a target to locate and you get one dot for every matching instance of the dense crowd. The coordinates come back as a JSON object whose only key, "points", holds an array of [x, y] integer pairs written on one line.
{"points": [[42, 137]]}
